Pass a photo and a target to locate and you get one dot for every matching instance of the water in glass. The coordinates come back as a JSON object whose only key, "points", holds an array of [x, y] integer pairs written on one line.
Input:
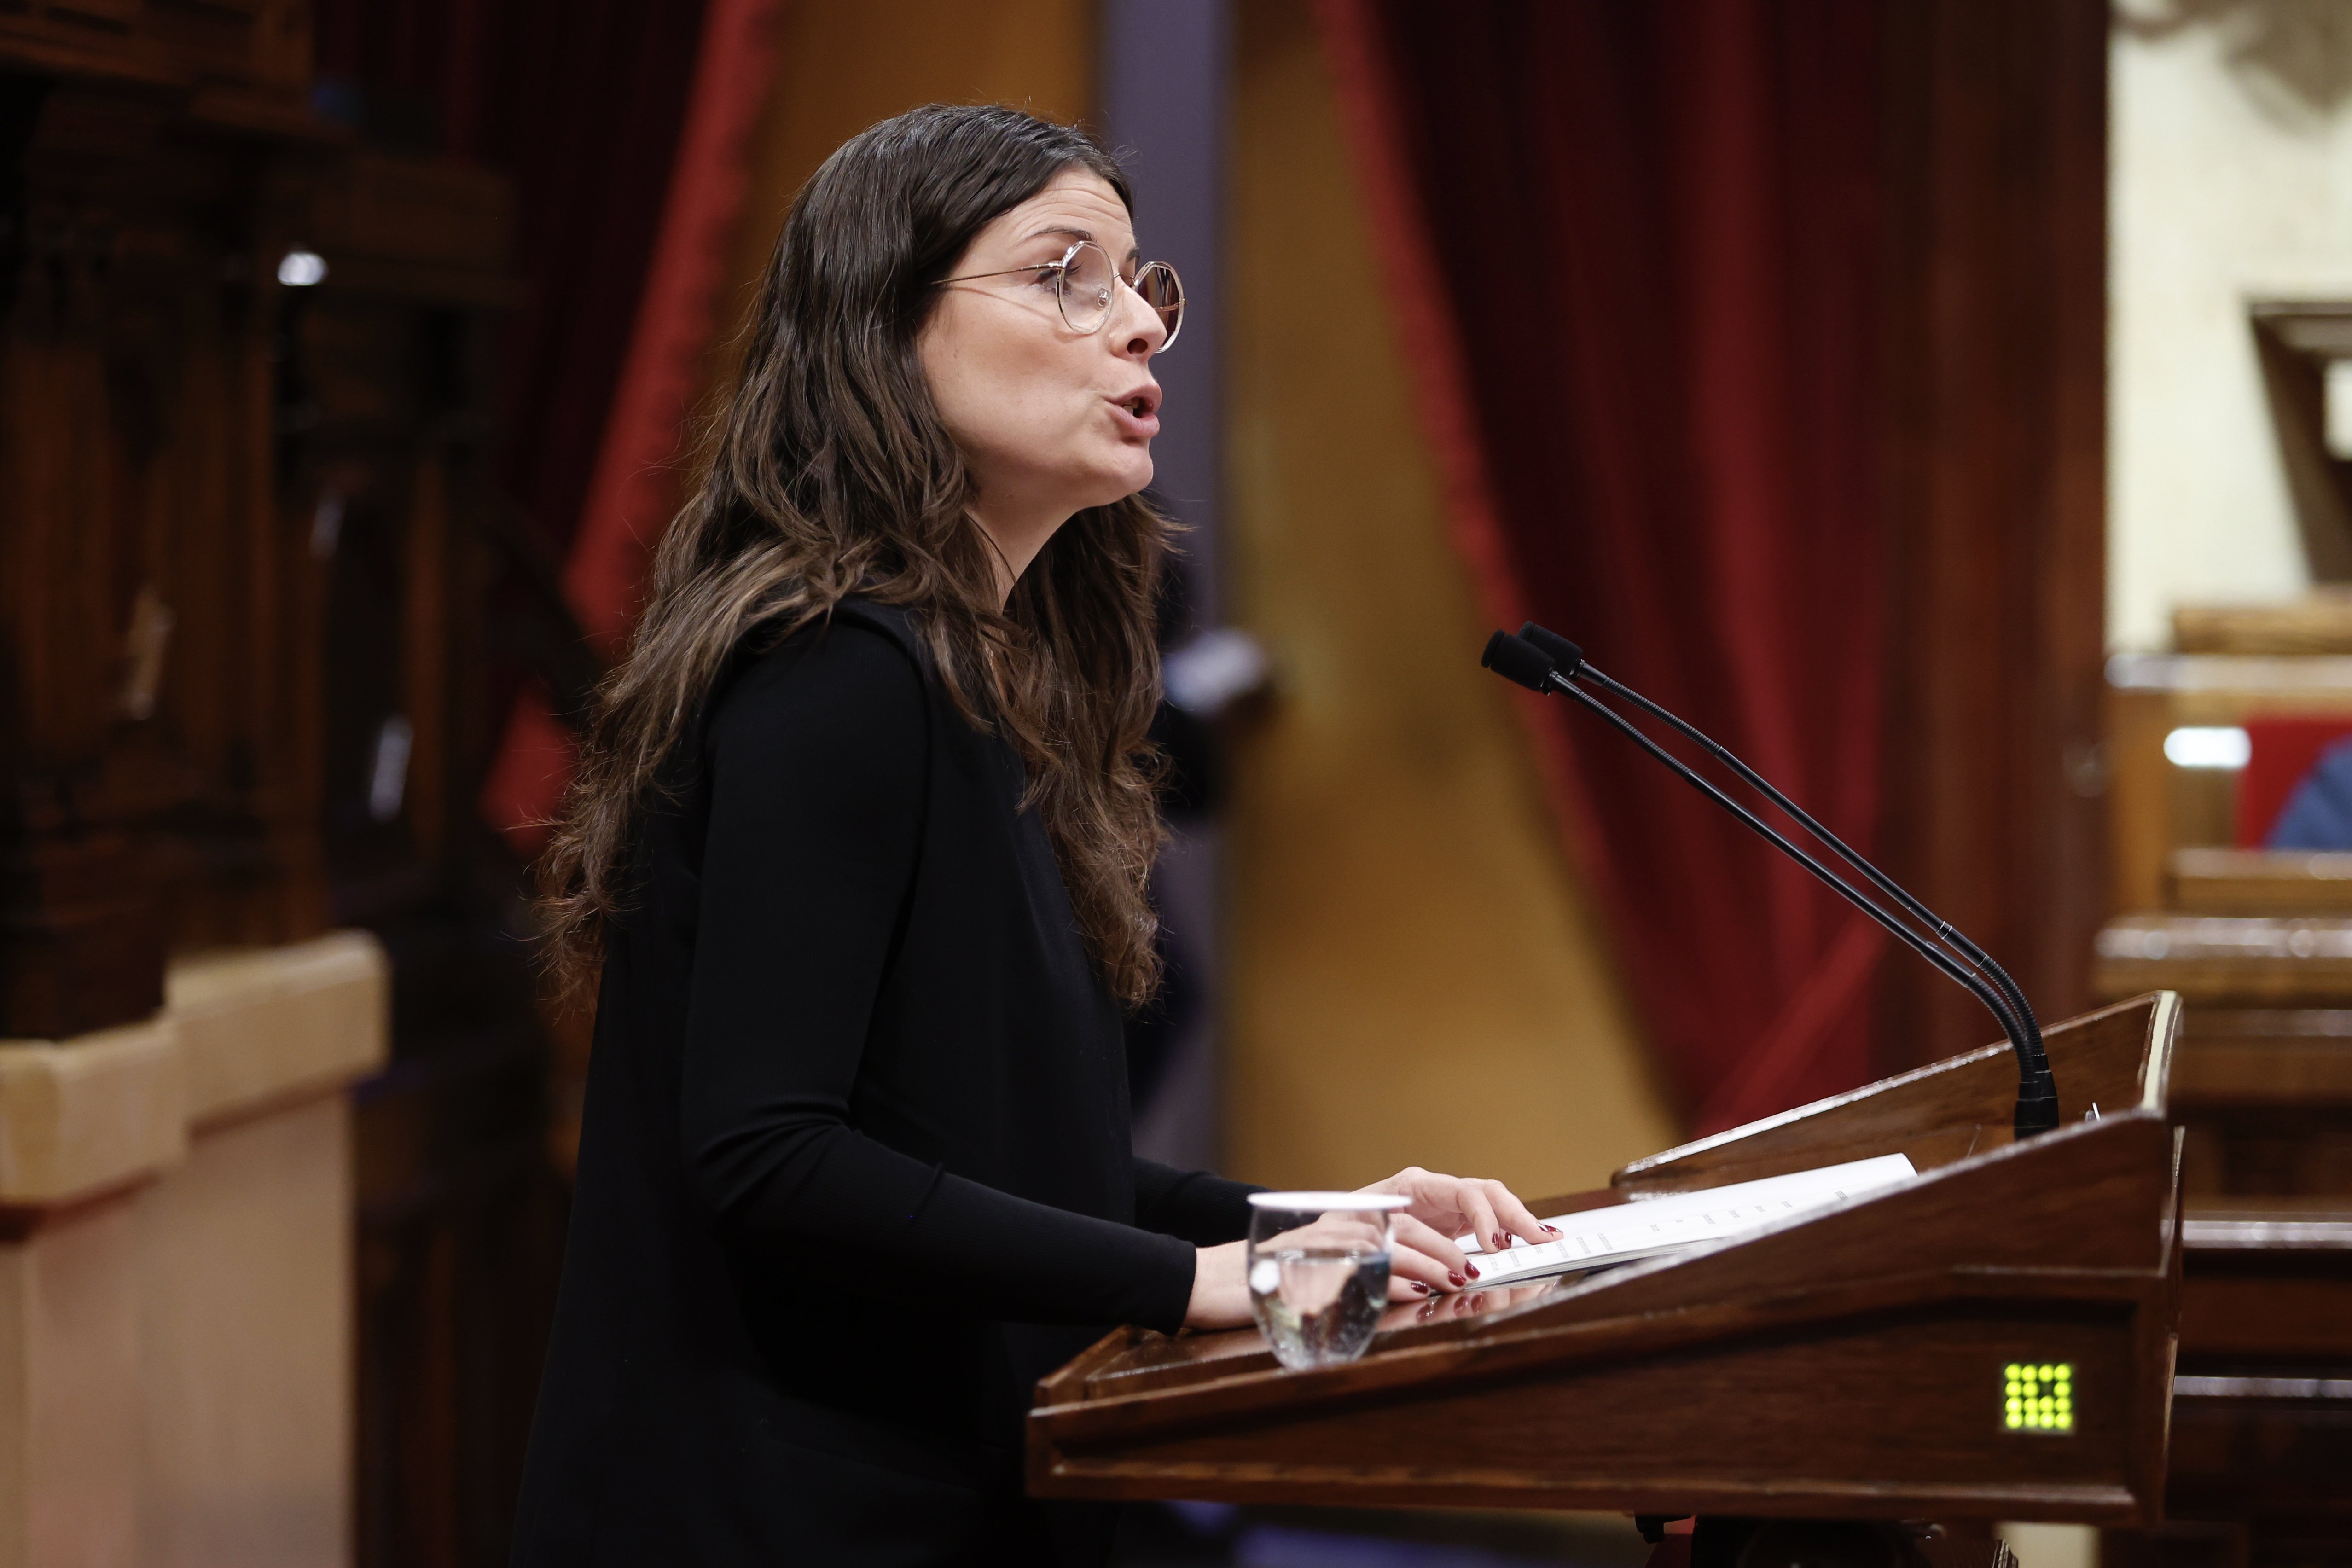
{"points": [[1319, 1272], [1317, 1305]]}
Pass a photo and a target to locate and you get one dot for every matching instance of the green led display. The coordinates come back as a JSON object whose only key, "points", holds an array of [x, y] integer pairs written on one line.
{"points": [[2037, 1397]]}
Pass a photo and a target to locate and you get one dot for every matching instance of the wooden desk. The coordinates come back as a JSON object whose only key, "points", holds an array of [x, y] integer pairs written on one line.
{"points": [[1843, 1365]]}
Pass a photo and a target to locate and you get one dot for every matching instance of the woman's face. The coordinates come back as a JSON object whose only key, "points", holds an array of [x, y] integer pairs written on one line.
{"points": [[1049, 420]]}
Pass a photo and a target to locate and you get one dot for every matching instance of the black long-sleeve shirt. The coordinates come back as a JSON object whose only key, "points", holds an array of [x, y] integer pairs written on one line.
{"points": [[854, 1165]]}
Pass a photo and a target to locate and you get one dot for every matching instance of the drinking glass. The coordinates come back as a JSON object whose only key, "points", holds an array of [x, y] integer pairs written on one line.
{"points": [[1318, 1272]]}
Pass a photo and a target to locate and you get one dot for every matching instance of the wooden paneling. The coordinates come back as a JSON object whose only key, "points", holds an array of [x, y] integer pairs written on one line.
{"points": [[157, 734], [2158, 811], [248, 540], [1997, 315], [2278, 960], [252, 56], [385, 454], [2318, 623], [2294, 341], [1932, 1115], [2262, 1431], [2215, 881]]}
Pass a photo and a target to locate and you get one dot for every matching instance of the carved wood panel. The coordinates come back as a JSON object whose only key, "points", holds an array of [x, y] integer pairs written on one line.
{"points": [[157, 728]]}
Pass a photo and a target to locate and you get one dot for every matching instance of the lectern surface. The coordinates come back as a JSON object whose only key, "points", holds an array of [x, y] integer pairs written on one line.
{"points": [[1990, 1340]]}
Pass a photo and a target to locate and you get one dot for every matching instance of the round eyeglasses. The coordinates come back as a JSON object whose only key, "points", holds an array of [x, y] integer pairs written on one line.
{"points": [[1085, 283]]}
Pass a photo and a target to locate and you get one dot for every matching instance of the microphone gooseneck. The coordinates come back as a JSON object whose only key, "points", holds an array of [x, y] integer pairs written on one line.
{"points": [[1570, 661], [1543, 662]]}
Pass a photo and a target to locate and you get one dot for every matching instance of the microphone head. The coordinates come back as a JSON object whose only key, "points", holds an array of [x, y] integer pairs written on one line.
{"points": [[1512, 659], [1563, 653]]}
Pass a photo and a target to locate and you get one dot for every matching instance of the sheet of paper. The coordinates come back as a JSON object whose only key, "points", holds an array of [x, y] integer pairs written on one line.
{"points": [[1625, 1233]]}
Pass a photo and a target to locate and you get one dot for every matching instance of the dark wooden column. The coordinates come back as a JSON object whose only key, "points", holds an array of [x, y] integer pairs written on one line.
{"points": [[156, 735], [1996, 386]]}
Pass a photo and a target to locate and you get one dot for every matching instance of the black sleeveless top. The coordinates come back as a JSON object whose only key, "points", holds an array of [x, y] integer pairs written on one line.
{"points": [[855, 1166]]}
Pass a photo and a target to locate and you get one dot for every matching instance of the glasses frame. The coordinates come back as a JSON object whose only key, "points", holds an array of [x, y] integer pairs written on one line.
{"points": [[1061, 269]]}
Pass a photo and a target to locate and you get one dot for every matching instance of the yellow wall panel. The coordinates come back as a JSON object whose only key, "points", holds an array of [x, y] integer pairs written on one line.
{"points": [[1415, 976], [840, 68]]}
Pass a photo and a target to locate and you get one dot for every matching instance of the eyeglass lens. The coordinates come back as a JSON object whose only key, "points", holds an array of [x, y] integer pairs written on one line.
{"points": [[1089, 284]]}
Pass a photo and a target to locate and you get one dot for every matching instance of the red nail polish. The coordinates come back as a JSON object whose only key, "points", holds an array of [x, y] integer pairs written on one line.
{"points": [[1472, 1269], [1419, 1287], [1553, 1230], [1500, 1241], [1455, 1280]]}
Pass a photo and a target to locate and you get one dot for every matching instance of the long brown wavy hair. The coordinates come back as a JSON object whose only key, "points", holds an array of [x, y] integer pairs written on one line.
{"points": [[827, 472]]}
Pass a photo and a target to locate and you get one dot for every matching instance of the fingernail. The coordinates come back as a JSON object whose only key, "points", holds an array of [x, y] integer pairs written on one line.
{"points": [[1500, 1242], [1457, 1279], [1552, 1229], [1472, 1269], [1419, 1287]]}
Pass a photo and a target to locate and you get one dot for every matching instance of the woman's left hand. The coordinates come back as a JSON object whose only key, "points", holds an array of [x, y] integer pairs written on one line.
{"points": [[1456, 1206]]}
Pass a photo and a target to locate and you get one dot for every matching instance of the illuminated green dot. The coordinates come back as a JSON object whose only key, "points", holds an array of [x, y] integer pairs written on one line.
{"points": [[2010, 1372]]}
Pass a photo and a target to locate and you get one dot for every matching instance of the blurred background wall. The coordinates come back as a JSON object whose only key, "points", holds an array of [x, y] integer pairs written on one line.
{"points": [[1416, 973], [2233, 181]]}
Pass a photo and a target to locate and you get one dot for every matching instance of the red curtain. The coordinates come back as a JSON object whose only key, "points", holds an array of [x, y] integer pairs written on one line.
{"points": [[630, 478], [1634, 250]]}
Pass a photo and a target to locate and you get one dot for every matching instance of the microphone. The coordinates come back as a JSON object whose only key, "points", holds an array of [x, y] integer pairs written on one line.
{"points": [[1543, 662], [1570, 661]]}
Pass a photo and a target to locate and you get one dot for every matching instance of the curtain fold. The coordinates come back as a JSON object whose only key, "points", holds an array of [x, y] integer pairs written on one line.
{"points": [[635, 483], [1635, 253]]}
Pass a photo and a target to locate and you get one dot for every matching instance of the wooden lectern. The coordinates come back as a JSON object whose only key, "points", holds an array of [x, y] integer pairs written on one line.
{"points": [[1856, 1363]]}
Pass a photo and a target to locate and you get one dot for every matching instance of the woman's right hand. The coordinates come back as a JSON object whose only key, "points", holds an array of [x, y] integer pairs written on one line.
{"points": [[1421, 1264], [1220, 1287]]}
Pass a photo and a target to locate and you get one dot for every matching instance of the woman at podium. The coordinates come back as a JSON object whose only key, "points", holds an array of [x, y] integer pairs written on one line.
{"points": [[857, 849]]}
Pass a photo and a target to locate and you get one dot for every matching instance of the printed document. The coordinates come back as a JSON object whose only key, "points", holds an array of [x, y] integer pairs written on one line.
{"points": [[1650, 1228]]}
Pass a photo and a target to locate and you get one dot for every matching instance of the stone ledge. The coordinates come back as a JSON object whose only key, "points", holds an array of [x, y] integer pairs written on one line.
{"points": [[240, 1030], [258, 1026], [90, 1113]]}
